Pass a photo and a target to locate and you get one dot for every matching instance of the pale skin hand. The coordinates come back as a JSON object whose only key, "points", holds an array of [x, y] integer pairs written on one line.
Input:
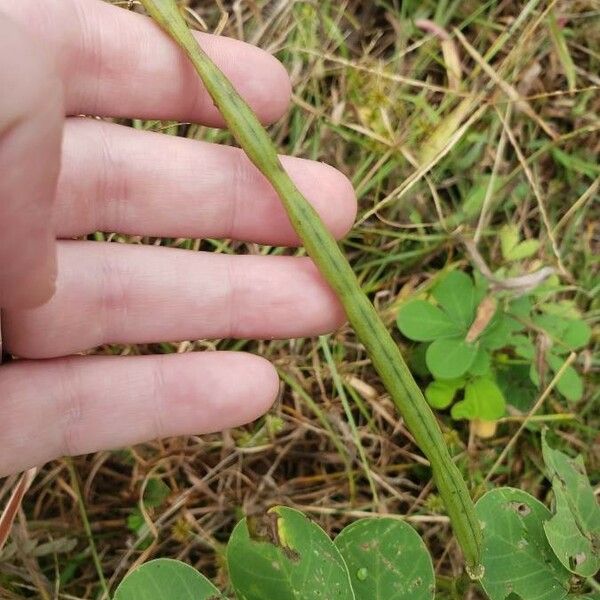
{"points": [[60, 58]]}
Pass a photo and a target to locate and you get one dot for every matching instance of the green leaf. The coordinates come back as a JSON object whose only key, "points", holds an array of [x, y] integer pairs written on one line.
{"points": [[449, 358], [498, 333], [567, 334], [168, 580], [509, 238], [521, 307], [421, 321], [518, 561], [456, 295], [523, 346], [570, 384], [387, 560], [156, 492], [283, 555], [577, 334], [135, 521], [516, 386], [576, 162], [523, 250], [473, 200], [483, 400], [567, 309], [440, 393], [574, 530], [417, 360], [482, 363], [562, 50]]}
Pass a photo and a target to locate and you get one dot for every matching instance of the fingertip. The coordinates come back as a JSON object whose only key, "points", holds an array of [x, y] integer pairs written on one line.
{"points": [[275, 90], [329, 191], [337, 186], [258, 76], [260, 386]]}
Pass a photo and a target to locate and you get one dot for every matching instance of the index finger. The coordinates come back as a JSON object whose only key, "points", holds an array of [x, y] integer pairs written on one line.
{"points": [[120, 64]]}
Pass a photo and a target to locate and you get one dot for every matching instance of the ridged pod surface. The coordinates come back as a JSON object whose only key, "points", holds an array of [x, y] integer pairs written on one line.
{"points": [[327, 255]]}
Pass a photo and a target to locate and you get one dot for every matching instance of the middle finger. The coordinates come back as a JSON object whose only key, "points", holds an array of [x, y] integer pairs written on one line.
{"points": [[115, 178]]}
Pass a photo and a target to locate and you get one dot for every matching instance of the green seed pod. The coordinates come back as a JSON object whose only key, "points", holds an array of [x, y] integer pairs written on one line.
{"points": [[327, 255]]}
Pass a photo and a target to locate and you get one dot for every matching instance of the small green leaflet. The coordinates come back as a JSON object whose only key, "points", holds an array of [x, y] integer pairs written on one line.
{"points": [[456, 295], [512, 248], [567, 334], [166, 579], [387, 560], [448, 358], [569, 384], [483, 400], [421, 321], [440, 393], [516, 386]]}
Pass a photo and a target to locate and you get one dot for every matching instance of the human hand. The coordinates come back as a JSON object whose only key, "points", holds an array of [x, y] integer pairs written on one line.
{"points": [[76, 57]]}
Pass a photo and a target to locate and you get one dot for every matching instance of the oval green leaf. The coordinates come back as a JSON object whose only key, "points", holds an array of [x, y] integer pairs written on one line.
{"points": [[482, 364], [568, 334], [387, 560], [421, 321], [518, 561], [523, 250], [286, 556], [450, 358], [498, 333], [570, 384], [483, 400], [168, 580], [440, 393], [574, 530], [456, 295], [509, 238]]}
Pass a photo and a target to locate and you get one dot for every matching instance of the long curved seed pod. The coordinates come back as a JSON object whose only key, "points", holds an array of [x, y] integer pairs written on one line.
{"points": [[325, 252]]}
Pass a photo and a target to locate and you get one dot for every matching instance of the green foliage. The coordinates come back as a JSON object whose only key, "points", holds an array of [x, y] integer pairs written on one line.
{"points": [[512, 248], [387, 560], [480, 347], [421, 321], [440, 393], [516, 555], [168, 580], [286, 556], [483, 400], [456, 294], [529, 552], [155, 494], [448, 358], [574, 530], [515, 382], [532, 553]]}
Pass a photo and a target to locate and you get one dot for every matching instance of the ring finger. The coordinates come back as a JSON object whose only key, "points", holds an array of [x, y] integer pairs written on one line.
{"points": [[120, 293]]}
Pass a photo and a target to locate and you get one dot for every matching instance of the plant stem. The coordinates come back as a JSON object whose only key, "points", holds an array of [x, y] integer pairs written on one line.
{"points": [[327, 255], [87, 528]]}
